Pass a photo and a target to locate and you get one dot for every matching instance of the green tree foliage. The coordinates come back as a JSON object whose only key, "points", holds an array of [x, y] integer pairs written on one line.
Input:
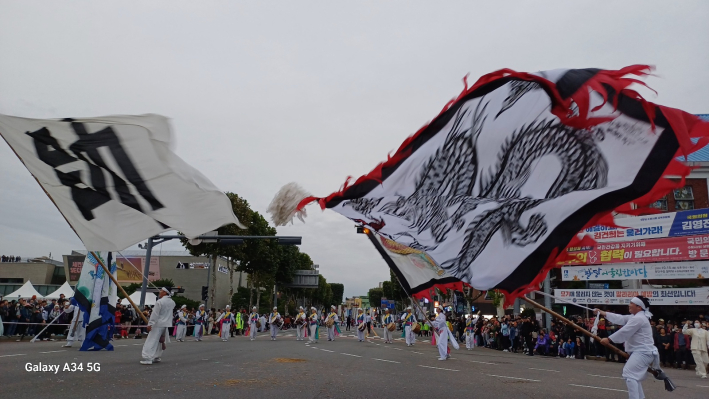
{"points": [[338, 291], [375, 297], [181, 300]]}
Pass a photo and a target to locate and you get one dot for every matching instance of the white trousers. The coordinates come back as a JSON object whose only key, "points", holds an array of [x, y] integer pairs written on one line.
{"points": [[360, 334], [300, 332], [409, 335], [470, 340], [181, 332], [387, 335], [152, 348], [312, 328], [76, 335], [252, 331], [635, 371], [701, 359], [331, 333], [274, 331], [442, 344], [224, 332], [198, 331]]}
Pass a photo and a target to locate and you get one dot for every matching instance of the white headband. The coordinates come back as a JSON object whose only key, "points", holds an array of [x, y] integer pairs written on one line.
{"points": [[167, 291], [640, 303]]}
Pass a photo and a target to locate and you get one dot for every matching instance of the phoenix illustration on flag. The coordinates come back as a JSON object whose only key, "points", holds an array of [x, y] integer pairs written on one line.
{"points": [[503, 179]]}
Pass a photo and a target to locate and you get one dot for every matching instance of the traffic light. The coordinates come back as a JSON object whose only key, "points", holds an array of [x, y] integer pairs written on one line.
{"points": [[362, 230], [205, 293]]}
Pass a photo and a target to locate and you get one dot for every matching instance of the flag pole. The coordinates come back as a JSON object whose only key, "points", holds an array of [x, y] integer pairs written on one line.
{"points": [[575, 326], [660, 375], [105, 269]]}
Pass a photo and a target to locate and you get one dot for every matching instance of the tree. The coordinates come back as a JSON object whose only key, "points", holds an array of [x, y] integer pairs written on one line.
{"points": [[214, 250], [375, 297], [338, 290]]}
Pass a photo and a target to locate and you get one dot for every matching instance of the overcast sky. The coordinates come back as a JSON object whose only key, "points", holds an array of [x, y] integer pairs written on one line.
{"points": [[264, 93]]}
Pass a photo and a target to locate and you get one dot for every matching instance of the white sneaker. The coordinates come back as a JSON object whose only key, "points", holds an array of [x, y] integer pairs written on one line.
{"points": [[157, 360], [441, 358], [146, 362], [505, 350]]}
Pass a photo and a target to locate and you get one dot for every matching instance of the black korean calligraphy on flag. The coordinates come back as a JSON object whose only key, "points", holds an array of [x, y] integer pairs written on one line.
{"points": [[503, 179], [115, 179]]}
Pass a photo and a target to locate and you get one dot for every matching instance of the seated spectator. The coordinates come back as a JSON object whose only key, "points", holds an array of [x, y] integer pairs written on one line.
{"points": [[569, 348], [542, 346]]}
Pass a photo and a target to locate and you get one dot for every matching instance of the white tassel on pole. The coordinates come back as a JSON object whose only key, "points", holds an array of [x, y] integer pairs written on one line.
{"points": [[283, 207]]}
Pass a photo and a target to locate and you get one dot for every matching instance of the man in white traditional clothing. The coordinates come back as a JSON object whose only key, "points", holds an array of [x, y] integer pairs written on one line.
{"points": [[313, 326], [361, 322], [273, 319], [441, 334], [332, 316], [469, 331], [181, 324], [226, 319], [77, 330], [700, 342], [158, 326], [636, 333], [253, 323], [408, 319], [200, 320], [388, 319], [301, 324], [262, 320]]}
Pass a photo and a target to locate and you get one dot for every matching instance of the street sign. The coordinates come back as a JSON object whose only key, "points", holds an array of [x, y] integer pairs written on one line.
{"points": [[598, 286]]}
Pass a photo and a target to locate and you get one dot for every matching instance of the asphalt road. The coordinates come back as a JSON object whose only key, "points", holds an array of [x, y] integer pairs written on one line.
{"points": [[345, 368]]}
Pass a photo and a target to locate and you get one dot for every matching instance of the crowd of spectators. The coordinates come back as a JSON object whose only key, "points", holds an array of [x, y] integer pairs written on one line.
{"points": [[14, 259], [521, 334], [27, 317]]}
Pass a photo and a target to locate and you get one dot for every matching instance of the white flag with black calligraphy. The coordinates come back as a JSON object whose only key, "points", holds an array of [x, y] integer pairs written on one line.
{"points": [[115, 179]]}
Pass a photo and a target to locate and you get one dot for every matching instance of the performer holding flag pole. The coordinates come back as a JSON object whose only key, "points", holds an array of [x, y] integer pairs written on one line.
{"points": [[636, 333]]}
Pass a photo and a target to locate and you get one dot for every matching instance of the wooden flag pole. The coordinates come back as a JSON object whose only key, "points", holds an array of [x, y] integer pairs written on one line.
{"points": [[105, 269], [576, 327]]}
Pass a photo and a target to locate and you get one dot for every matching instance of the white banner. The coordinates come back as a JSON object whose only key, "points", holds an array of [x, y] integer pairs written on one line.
{"points": [[663, 296], [115, 179], [672, 224], [634, 271]]}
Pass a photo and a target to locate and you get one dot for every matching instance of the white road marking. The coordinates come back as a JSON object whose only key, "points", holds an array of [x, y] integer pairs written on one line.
{"points": [[703, 386], [605, 376], [53, 351], [137, 344], [19, 354], [437, 368], [327, 350], [382, 360], [477, 361], [606, 389], [418, 353], [512, 378], [555, 371], [119, 345], [399, 349], [347, 354]]}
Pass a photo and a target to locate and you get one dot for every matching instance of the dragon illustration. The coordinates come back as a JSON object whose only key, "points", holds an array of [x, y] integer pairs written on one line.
{"points": [[451, 183]]}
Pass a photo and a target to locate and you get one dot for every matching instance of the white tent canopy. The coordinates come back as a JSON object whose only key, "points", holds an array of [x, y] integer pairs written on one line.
{"points": [[150, 299], [64, 289], [26, 291]]}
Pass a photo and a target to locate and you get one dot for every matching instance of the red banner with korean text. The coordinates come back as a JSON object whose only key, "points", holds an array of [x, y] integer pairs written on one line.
{"points": [[671, 249]]}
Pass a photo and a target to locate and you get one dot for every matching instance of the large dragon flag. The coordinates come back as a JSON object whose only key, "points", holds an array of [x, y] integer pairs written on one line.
{"points": [[116, 182], [503, 179]]}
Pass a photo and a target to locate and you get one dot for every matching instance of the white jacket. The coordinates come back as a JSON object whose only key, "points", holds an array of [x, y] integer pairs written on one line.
{"points": [[700, 338], [162, 313], [636, 332]]}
